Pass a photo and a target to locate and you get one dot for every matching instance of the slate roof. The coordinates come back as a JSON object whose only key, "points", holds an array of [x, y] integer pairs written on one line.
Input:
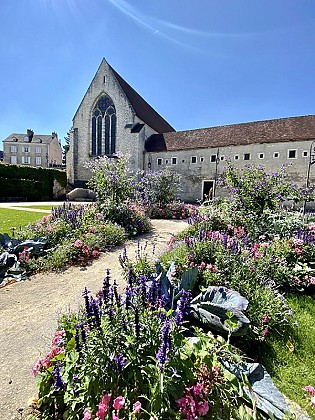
{"points": [[142, 109], [269, 131], [45, 138]]}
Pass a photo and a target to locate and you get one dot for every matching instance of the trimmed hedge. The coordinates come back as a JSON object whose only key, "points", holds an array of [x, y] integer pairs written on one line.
{"points": [[29, 182]]}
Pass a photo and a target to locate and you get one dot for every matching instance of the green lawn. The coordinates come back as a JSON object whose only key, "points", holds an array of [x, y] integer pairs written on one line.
{"points": [[16, 219], [291, 359], [39, 207]]}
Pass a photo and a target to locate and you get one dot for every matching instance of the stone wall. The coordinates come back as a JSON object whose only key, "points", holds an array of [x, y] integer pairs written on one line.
{"points": [[199, 165]]}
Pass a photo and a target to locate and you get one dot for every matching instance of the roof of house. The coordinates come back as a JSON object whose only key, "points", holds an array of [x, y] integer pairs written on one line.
{"points": [[15, 137], [142, 109], [269, 131]]}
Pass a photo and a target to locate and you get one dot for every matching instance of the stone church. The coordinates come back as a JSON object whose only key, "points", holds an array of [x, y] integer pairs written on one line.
{"points": [[113, 117]]}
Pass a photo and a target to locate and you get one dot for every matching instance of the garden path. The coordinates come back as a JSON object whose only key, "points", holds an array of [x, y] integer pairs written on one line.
{"points": [[29, 311]]}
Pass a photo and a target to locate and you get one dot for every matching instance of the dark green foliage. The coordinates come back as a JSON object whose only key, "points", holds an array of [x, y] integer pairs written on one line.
{"points": [[29, 182]]}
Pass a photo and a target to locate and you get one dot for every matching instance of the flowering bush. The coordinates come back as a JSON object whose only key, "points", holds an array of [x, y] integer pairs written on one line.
{"points": [[158, 188], [253, 190], [124, 356], [77, 234], [111, 180]]}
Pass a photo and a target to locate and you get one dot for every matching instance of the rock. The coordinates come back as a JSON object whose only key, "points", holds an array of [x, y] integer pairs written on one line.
{"points": [[81, 194]]}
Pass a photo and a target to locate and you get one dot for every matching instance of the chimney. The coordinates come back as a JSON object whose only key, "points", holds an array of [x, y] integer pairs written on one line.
{"points": [[30, 134]]}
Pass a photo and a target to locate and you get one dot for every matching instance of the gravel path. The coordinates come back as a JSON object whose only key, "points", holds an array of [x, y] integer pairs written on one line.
{"points": [[29, 311]]}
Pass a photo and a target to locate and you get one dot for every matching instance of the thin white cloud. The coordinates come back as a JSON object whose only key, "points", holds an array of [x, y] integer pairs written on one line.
{"points": [[144, 20]]}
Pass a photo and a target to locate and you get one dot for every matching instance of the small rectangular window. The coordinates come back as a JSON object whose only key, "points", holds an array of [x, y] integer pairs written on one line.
{"points": [[236, 157], [166, 161], [25, 149], [193, 159], [222, 157], [159, 161], [13, 160], [261, 155], [305, 153], [26, 160], [38, 149], [246, 156], [13, 149], [292, 154], [213, 158], [202, 159], [38, 160], [276, 155], [174, 161]]}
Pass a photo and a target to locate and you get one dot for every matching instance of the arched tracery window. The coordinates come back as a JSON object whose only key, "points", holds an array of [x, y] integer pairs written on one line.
{"points": [[103, 127]]}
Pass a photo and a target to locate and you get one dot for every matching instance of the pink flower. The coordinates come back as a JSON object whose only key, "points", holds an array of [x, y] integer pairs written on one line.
{"points": [[78, 243], [118, 403], [310, 389], [86, 250], [95, 253], [258, 255], [202, 265], [87, 414], [297, 241], [106, 399], [265, 332], [58, 338], [203, 408], [265, 319], [137, 407], [102, 410], [311, 280], [298, 251], [114, 417]]}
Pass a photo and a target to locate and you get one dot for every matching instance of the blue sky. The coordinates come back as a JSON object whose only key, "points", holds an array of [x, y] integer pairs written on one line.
{"points": [[199, 63]]}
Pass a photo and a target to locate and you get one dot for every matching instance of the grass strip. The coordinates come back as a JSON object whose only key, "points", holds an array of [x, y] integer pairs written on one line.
{"points": [[290, 359], [16, 219]]}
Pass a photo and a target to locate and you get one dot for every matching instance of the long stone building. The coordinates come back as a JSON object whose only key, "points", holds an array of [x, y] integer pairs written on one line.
{"points": [[113, 117]]}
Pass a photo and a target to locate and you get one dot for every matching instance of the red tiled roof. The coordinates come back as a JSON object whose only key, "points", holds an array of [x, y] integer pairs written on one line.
{"points": [[269, 131]]}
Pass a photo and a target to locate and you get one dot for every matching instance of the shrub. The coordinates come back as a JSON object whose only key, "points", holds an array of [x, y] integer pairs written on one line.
{"points": [[110, 179], [125, 355], [158, 188]]}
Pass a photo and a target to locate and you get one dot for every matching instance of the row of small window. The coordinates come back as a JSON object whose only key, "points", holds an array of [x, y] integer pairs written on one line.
{"points": [[292, 154], [26, 160], [25, 149]]}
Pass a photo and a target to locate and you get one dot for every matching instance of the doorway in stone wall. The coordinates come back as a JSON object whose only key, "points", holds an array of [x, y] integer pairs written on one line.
{"points": [[207, 190]]}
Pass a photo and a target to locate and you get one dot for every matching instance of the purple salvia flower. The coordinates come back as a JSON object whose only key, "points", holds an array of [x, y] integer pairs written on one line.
{"points": [[161, 355], [120, 361], [77, 338], [137, 323], [111, 313], [128, 297], [130, 276], [59, 383], [182, 307]]}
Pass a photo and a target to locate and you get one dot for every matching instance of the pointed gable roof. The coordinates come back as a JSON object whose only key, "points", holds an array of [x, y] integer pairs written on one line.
{"points": [[269, 131], [142, 109]]}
